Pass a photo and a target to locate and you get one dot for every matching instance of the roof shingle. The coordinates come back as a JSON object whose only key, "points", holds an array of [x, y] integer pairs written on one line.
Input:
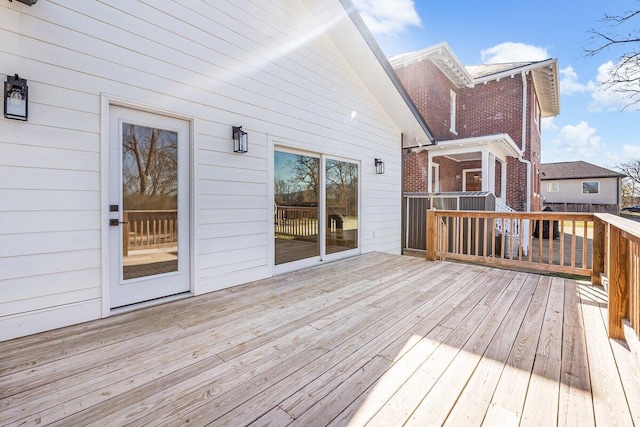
{"points": [[575, 170]]}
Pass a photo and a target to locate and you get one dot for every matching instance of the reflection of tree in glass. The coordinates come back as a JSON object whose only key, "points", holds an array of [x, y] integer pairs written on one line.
{"points": [[150, 167], [299, 186], [342, 188]]}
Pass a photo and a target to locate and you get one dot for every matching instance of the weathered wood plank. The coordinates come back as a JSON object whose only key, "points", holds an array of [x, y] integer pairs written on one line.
{"points": [[508, 399], [541, 404], [609, 403], [474, 400], [575, 403], [437, 342]]}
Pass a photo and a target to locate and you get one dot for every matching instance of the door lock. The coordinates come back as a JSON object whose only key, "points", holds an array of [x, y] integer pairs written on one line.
{"points": [[114, 222]]}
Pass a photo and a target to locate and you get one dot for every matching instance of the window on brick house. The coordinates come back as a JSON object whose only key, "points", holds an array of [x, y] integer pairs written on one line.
{"points": [[452, 111], [537, 115]]}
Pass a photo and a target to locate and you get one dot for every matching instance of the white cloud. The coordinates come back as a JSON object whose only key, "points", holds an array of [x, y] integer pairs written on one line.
{"points": [[610, 98], [548, 124], [631, 151], [569, 83], [578, 142], [388, 16], [513, 52]]}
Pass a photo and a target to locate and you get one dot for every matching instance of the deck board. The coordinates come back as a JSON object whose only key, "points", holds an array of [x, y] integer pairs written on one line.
{"points": [[373, 340]]}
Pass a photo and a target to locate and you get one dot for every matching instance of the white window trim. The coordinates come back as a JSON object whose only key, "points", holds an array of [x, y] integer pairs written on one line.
{"points": [[553, 187], [278, 144], [452, 111], [586, 194]]}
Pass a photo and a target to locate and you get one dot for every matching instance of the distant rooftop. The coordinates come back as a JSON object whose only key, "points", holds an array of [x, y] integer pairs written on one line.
{"points": [[575, 170]]}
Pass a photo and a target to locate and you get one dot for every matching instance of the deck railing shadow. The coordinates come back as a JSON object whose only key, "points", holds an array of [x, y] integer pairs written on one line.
{"points": [[604, 247]]}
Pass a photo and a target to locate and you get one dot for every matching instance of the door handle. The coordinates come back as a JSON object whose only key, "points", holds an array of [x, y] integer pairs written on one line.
{"points": [[115, 222]]}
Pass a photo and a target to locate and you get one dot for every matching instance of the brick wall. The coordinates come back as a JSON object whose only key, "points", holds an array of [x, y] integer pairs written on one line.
{"points": [[416, 172], [430, 90], [486, 109]]}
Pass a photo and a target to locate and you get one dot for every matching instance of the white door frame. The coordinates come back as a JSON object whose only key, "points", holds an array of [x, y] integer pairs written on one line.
{"points": [[280, 144], [464, 176], [106, 101]]}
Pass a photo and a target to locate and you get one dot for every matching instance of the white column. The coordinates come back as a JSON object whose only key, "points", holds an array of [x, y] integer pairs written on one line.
{"points": [[429, 172], [485, 170], [503, 181], [492, 173]]}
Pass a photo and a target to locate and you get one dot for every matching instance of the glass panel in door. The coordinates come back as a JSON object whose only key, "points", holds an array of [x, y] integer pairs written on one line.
{"points": [[296, 196], [342, 206], [473, 180], [150, 201]]}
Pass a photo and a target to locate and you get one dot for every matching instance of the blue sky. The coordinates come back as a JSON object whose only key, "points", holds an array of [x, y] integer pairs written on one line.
{"points": [[591, 125]]}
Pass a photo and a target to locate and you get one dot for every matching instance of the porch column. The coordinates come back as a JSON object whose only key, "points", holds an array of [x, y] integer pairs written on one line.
{"points": [[429, 173], [485, 170], [492, 173], [503, 181]]}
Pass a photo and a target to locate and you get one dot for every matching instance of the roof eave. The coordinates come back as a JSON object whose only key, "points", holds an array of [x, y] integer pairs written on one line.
{"points": [[546, 83], [443, 57], [386, 66]]}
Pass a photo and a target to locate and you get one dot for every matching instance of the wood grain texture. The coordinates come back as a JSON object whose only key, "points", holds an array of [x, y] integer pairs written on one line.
{"points": [[374, 340]]}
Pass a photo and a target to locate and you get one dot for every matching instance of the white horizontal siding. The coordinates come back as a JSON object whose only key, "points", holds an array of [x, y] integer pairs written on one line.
{"points": [[570, 191], [275, 74]]}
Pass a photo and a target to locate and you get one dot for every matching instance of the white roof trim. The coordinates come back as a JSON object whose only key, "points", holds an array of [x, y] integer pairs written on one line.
{"points": [[443, 57], [499, 143], [546, 83]]}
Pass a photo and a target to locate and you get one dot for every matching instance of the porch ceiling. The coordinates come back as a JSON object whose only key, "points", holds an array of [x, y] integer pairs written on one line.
{"points": [[501, 145]]}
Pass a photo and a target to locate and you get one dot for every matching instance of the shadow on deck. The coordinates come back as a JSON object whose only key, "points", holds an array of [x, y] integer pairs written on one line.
{"points": [[373, 340]]}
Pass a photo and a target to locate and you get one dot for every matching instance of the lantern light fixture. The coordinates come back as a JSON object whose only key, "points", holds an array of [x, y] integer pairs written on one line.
{"points": [[240, 140], [379, 166], [27, 2], [16, 97]]}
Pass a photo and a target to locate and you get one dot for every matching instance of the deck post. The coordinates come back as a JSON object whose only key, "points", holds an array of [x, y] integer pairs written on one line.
{"points": [[599, 238], [432, 235], [618, 287]]}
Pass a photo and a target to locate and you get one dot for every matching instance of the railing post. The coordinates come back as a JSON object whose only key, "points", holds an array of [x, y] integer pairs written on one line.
{"points": [[618, 287], [432, 235], [599, 236]]}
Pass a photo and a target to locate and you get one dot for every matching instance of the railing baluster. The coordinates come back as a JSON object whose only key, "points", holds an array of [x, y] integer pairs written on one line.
{"points": [[561, 229], [573, 243]]}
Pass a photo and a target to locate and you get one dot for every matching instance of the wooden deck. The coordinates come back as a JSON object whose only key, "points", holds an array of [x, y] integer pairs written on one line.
{"points": [[380, 340]]}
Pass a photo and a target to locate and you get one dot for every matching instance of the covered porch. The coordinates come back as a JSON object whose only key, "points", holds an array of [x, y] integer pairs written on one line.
{"points": [[480, 165], [376, 339]]}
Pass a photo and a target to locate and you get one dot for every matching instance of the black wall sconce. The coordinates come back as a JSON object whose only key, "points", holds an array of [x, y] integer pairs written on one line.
{"points": [[379, 166], [240, 140], [27, 2], [16, 97]]}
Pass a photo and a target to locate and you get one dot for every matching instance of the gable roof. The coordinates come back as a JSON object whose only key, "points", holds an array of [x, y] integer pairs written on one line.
{"points": [[479, 71], [348, 32], [575, 170], [545, 80], [544, 73], [443, 58]]}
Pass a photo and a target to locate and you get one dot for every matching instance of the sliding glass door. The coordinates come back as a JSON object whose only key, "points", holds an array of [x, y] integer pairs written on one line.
{"points": [[341, 184], [316, 206]]}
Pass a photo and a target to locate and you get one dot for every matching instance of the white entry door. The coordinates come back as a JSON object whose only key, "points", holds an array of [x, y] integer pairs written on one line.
{"points": [[148, 206]]}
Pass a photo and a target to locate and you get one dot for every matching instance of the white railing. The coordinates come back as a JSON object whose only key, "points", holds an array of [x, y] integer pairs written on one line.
{"points": [[519, 230]]}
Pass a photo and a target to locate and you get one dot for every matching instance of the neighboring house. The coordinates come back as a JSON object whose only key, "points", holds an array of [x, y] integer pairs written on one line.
{"points": [[484, 121], [122, 189], [581, 187]]}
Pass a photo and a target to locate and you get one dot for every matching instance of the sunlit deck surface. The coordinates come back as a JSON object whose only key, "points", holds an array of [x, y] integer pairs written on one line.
{"points": [[378, 339]]}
